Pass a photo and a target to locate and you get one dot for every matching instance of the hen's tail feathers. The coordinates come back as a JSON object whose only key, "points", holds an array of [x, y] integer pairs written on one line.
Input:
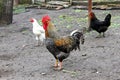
{"points": [[108, 20], [108, 17]]}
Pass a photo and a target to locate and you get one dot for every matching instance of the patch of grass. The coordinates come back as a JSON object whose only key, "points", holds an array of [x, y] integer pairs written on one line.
{"points": [[77, 10], [82, 19], [57, 21], [115, 17], [115, 25], [19, 9], [66, 17], [105, 12], [115, 21], [62, 16], [68, 20], [68, 26], [67, 71]]}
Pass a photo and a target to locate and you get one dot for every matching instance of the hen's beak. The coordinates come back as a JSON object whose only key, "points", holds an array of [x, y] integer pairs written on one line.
{"points": [[31, 20]]}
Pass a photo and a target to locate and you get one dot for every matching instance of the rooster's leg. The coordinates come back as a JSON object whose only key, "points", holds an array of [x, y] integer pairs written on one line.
{"points": [[38, 43], [60, 66], [56, 63]]}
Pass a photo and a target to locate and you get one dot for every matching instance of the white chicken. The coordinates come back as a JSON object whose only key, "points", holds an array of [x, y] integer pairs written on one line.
{"points": [[38, 31]]}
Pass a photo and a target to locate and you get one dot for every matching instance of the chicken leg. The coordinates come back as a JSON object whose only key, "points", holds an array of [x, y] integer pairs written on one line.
{"points": [[60, 66], [103, 34], [56, 63], [38, 41], [99, 36]]}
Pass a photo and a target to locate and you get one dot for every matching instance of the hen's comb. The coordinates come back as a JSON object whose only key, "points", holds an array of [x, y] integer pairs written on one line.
{"points": [[92, 14], [31, 20], [45, 18]]}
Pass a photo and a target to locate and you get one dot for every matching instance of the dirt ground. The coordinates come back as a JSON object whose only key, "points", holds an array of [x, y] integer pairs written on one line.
{"points": [[99, 58]]}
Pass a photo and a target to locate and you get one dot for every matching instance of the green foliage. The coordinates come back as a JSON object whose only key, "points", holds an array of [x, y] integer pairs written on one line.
{"points": [[19, 9], [115, 25], [66, 18], [73, 73], [82, 19], [68, 26], [77, 10], [116, 17], [115, 22], [105, 12]]}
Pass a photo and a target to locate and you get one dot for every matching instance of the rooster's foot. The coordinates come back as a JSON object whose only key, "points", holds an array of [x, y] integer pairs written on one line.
{"points": [[55, 65]]}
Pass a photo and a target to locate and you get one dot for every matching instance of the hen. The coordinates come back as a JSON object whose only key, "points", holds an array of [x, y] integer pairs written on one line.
{"points": [[38, 31], [60, 46], [99, 26]]}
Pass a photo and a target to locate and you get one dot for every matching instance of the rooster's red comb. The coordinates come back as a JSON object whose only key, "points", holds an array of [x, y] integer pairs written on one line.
{"points": [[45, 18]]}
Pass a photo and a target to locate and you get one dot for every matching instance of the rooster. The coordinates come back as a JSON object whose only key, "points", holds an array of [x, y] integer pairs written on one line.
{"points": [[60, 46], [38, 31], [99, 26]]}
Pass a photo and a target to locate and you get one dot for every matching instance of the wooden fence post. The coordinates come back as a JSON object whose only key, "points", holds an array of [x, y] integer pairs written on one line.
{"points": [[89, 10]]}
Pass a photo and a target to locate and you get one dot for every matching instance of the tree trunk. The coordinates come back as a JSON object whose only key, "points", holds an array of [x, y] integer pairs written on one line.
{"points": [[6, 11]]}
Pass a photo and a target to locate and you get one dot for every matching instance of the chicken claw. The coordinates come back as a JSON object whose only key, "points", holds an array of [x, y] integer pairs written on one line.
{"points": [[60, 66]]}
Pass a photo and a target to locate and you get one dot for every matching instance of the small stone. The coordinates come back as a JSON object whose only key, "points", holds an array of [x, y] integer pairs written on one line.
{"points": [[43, 73], [84, 54], [97, 72]]}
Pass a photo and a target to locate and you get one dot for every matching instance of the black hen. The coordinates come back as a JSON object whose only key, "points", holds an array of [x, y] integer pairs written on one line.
{"points": [[99, 26]]}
